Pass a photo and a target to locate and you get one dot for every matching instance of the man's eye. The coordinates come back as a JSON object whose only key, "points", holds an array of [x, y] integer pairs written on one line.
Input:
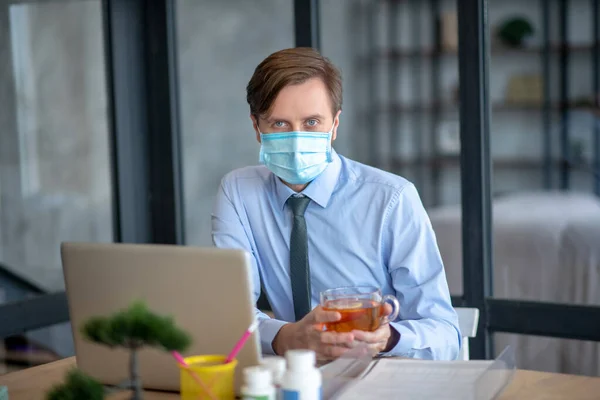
{"points": [[279, 124], [312, 122]]}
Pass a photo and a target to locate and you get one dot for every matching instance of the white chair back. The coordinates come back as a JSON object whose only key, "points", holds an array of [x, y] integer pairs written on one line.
{"points": [[468, 319]]}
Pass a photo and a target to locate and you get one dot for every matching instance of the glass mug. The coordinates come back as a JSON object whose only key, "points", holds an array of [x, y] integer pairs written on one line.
{"points": [[361, 308]]}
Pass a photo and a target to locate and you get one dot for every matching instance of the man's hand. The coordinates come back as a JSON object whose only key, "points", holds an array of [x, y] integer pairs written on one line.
{"points": [[383, 338], [308, 334]]}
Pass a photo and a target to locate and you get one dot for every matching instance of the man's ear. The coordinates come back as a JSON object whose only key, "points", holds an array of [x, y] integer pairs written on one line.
{"points": [[255, 126], [336, 123]]}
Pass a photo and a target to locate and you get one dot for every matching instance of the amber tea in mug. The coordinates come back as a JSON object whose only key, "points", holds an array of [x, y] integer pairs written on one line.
{"points": [[361, 308]]}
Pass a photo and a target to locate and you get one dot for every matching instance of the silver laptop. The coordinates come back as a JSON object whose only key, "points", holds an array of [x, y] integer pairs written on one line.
{"points": [[206, 290]]}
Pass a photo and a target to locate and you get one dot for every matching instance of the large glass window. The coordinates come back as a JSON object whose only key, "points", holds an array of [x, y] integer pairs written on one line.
{"points": [[546, 214], [220, 44], [55, 181]]}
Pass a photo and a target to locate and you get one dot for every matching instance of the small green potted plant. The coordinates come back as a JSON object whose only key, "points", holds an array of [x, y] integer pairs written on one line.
{"points": [[133, 328], [77, 386]]}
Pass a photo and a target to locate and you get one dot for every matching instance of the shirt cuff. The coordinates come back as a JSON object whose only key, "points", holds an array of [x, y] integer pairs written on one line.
{"points": [[267, 331], [405, 344]]}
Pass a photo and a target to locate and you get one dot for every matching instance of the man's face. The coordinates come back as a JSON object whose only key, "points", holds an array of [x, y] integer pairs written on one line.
{"points": [[302, 107]]}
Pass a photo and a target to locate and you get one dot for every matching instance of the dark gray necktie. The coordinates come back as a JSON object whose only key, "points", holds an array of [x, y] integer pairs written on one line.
{"points": [[299, 268]]}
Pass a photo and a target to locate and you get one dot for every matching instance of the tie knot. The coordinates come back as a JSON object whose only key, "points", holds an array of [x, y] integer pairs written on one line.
{"points": [[298, 205]]}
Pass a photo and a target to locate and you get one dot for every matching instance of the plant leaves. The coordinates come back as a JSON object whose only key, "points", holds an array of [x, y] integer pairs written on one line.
{"points": [[136, 327]]}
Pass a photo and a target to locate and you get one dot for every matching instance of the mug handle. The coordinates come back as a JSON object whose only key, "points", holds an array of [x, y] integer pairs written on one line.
{"points": [[395, 306]]}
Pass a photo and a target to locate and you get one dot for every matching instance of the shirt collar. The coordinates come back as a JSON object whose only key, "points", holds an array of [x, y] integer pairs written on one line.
{"points": [[319, 190]]}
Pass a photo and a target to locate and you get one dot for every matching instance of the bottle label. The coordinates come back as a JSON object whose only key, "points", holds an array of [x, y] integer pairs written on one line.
{"points": [[290, 395], [294, 395]]}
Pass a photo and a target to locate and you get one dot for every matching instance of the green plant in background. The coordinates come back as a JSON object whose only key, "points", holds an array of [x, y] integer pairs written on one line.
{"points": [[514, 31], [576, 151], [134, 328], [77, 386]]}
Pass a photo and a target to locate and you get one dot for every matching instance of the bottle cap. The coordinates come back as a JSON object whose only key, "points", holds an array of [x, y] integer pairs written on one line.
{"points": [[257, 376], [276, 365], [300, 359]]}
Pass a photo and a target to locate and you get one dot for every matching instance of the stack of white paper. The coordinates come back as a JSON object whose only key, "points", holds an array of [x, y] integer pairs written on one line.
{"points": [[439, 380]]}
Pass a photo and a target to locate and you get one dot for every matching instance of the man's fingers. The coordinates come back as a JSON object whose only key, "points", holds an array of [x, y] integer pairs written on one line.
{"points": [[333, 352], [379, 335], [387, 309], [374, 348], [367, 337], [322, 316], [337, 338]]}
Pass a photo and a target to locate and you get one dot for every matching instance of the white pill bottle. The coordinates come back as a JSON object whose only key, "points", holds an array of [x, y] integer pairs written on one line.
{"points": [[302, 379], [258, 384], [276, 365]]}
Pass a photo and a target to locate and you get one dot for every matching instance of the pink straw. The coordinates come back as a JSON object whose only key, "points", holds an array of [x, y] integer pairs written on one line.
{"points": [[238, 346], [182, 362]]}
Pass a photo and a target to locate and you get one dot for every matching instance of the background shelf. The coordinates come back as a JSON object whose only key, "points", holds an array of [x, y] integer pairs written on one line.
{"points": [[411, 62], [555, 48], [500, 106]]}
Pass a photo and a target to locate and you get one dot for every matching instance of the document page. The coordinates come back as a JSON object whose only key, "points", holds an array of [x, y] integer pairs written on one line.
{"points": [[414, 379]]}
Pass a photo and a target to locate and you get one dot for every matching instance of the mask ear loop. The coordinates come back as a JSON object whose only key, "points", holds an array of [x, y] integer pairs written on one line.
{"points": [[329, 157], [261, 155]]}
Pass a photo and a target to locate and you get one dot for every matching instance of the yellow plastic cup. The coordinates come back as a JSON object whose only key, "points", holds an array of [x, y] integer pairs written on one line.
{"points": [[213, 373]]}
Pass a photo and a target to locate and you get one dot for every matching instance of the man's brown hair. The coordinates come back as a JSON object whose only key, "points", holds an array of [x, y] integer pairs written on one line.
{"points": [[291, 67]]}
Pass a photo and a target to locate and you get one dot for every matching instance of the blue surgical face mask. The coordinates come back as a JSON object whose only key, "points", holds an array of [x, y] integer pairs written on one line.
{"points": [[296, 157]]}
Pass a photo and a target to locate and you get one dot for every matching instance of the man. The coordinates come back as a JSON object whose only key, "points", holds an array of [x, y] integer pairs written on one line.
{"points": [[314, 220]]}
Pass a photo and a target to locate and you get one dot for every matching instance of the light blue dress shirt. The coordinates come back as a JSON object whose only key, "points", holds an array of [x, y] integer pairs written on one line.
{"points": [[365, 227]]}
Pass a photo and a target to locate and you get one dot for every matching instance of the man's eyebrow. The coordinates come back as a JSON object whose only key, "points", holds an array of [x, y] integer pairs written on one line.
{"points": [[315, 116], [272, 119]]}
